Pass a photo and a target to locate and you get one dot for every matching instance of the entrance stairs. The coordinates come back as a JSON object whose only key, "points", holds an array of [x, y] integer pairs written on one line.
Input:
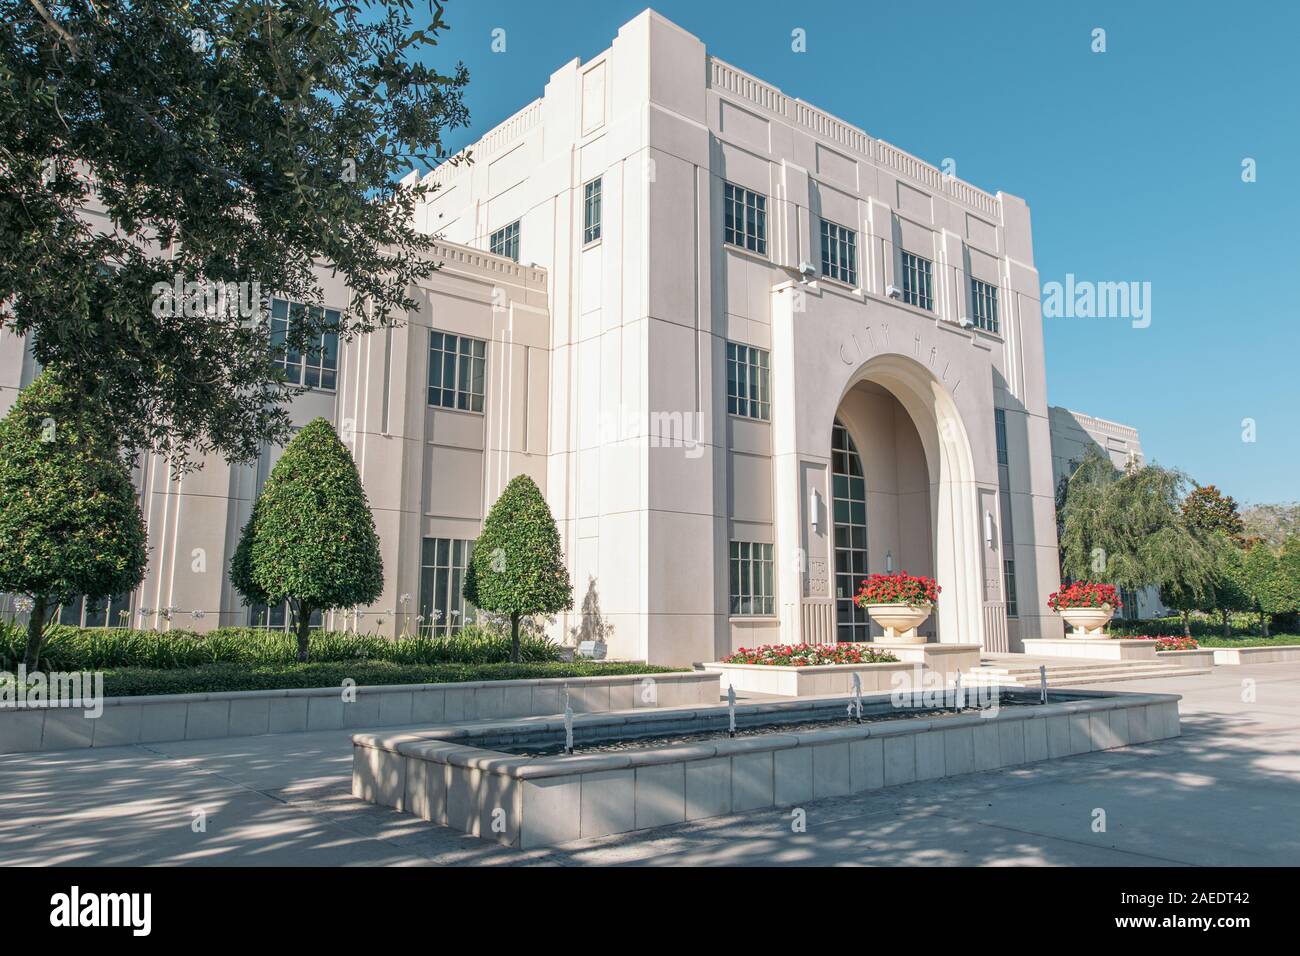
{"points": [[1020, 670]]}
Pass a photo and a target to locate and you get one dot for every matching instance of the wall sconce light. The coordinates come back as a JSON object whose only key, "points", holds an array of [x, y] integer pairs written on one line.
{"points": [[815, 510], [988, 528], [889, 562]]}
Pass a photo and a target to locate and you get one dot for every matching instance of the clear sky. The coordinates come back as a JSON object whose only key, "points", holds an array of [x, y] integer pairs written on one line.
{"points": [[1130, 159]]}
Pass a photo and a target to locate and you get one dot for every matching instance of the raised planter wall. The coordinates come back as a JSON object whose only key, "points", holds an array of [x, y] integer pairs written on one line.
{"points": [[1094, 649], [1287, 653], [945, 660], [1202, 657], [538, 801], [132, 720]]}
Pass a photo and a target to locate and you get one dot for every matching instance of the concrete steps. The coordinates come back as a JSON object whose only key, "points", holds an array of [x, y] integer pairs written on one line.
{"points": [[1074, 673]]}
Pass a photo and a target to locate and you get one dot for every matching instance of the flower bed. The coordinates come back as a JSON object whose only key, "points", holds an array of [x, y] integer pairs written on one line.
{"points": [[808, 655], [901, 588], [1169, 643], [1085, 594]]}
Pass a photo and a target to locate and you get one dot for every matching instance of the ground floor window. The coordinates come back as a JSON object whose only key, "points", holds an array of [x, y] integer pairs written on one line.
{"points": [[751, 578], [279, 617], [112, 611], [849, 493], [443, 608]]}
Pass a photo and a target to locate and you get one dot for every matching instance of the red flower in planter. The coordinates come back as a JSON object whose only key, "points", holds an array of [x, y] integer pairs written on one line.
{"points": [[807, 655], [1085, 594], [901, 588]]}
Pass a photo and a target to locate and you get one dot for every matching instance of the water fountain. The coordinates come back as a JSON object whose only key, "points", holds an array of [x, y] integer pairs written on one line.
{"points": [[568, 723], [731, 711], [855, 705], [958, 702], [1042, 683]]}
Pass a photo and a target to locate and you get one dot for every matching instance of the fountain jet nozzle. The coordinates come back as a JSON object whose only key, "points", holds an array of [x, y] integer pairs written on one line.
{"points": [[731, 710]]}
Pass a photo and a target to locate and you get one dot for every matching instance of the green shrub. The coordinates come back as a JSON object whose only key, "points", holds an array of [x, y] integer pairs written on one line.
{"points": [[75, 648], [212, 678]]}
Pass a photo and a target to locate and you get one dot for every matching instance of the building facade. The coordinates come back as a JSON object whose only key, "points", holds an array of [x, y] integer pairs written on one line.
{"points": [[749, 352]]}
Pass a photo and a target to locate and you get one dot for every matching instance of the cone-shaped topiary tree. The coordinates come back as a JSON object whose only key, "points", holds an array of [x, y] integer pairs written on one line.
{"points": [[69, 520], [311, 538], [518, 567]]}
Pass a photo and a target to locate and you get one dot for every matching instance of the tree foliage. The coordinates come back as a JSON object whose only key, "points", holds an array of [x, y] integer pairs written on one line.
{"points": [[1272, 523], [69, 520], [1209, 510], [311, 537], [250, 141], [1127, 529], [1265, 584], [518, 566]]}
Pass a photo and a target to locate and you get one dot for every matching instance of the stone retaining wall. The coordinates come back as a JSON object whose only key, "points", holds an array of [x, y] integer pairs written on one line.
{"points": [[148, 719]]}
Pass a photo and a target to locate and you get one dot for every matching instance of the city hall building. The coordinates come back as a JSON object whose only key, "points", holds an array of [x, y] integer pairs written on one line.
{"points": [[749, 352]]}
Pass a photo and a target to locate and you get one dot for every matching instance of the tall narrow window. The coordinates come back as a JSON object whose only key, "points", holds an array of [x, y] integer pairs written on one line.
{"points": [[917, 288], [443, 608], [839, 253], [591, 212], [984, 305], [505, 241], [744, 218], [748, 379], [317, 365], [456, 371], [751, 579], [1004, 506], [849, 492]]}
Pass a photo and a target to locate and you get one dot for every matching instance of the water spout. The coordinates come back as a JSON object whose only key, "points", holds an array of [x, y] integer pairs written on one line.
{"points": [[855, 705], [958, 700], [1042, 683], [731, 710], [568, 723]]}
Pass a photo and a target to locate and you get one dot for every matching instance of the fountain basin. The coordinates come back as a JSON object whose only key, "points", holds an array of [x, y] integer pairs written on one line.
{"points": [[455, 776]]}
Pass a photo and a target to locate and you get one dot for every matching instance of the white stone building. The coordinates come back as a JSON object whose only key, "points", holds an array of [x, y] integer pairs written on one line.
{"points": [[751, 354]]}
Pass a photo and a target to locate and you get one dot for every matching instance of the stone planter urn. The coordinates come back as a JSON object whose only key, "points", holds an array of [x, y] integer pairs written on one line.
{"points": [[900, 621], [1089, 623]]}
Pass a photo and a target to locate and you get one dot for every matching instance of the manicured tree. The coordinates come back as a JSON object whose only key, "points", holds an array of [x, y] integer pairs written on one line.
{"points": [[311, 538], [1230, 589], [69, 520], [518, 567], [1264, 584]]}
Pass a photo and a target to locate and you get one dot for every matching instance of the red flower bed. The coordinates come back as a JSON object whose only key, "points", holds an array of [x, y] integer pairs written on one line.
{"points": [[1085, 594], [901, 588], [805, 655], [1168, 643]]}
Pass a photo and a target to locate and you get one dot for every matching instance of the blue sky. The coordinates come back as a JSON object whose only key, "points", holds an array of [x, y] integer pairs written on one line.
{"points": [[1131, 161]]}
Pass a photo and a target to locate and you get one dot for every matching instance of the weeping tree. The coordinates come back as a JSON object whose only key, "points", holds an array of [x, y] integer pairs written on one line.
{"points": [[69, 521], [517, 568], [1127, 528], [311, 538]]}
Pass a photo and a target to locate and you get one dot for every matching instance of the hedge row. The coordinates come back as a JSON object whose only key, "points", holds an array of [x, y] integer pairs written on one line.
{"points": [[211, 678], [76, 648]]}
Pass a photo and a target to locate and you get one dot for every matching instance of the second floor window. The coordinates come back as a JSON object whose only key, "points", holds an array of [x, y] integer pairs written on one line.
{"points": [[505, 241], [317, 365], [744, 218], [748, 376], [984, 305], [456, 371], [1000, 432], [917, 288], [591, 212], [839, 253]]}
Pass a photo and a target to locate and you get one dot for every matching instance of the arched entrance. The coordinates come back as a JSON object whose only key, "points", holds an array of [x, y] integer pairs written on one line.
{"points": [[936, 508]]}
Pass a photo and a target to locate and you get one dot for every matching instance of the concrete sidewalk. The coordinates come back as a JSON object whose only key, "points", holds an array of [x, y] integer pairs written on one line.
{"points": [[1226, 793]]}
